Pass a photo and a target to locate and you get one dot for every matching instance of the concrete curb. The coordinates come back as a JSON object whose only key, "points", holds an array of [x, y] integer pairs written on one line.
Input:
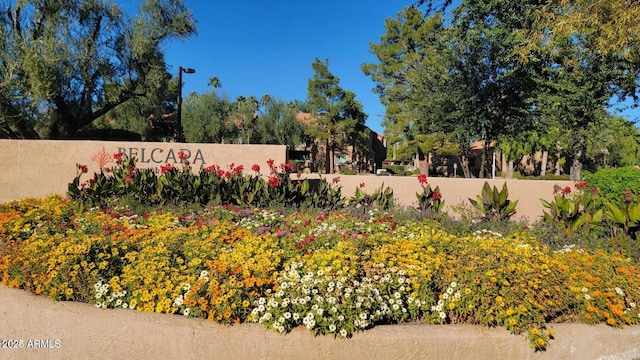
{"points": [[67, 330]]}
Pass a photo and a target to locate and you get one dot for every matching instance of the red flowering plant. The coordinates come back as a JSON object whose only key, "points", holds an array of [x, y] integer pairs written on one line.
{"points": [[122, 180], [429, 200], [171, 184], [381, 198], [573, 210]]}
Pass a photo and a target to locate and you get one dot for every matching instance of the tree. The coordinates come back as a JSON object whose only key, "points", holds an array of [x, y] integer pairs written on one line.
{"points": [[67, 63], [411, 79], [613, 25], [614, 143], [336, 112], [205, 117], [277, 124], [462, 80], [576, 86]]}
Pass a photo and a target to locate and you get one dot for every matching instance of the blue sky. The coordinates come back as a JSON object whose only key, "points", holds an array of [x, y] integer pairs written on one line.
{"points": [[258, 47]]}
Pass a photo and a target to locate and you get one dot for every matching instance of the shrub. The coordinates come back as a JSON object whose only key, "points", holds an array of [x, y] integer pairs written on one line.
{"points": [[613, 183], [494, 204], [212, 185]]}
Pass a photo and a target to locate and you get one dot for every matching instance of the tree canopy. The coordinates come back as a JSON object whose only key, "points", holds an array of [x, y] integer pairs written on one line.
{"points": [[336, 114], [66, 63], [464, 79]]}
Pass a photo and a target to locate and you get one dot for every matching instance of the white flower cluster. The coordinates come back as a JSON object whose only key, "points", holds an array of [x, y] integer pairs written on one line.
{"points": [[179, 300], [260, 218], [327, 301], [130, 222], [484, 233], [567, 249], [447, 299], [106, 299]]}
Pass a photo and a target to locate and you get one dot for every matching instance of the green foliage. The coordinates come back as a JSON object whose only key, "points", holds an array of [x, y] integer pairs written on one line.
{"points": [[394, 169], [494, 204], [68, 63], [613, 183], [429, 200], [381, 198], [211, 185], [627, 216], [336, 114], [573, 210]]}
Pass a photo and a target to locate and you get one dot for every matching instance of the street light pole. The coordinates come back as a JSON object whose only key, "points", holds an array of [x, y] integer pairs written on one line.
{"points": [[179, 136]]}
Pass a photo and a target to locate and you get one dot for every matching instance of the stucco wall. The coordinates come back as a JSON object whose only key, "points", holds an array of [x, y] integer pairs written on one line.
{"points": [[455, 191], [41, 167], [81, 331]]}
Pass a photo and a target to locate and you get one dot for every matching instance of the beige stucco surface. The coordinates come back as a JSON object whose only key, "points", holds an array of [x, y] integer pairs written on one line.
{"points": [[82, 331], [455, 191], [38, 168]]}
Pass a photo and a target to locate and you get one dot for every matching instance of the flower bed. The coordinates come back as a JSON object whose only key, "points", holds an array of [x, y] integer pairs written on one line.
{"points": [[334, 273]]}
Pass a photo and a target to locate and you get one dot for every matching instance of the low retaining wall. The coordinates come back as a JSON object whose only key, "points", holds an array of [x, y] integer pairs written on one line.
{"points": [[38, 168], [67, 330], [456, 191]]}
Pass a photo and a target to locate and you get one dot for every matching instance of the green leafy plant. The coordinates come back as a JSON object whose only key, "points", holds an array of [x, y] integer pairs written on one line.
{"points": [[428, 199], [573, 211], [627, 216], [381, 198], [494, 204], [612, 183], [180, 185]]}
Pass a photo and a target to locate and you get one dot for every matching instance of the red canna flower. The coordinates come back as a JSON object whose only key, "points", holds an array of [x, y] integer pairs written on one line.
{"points": [[287, 167], [83, 168], [118, 157], [256, 168], [182, 155], [362, 185], [270, 162], [581, 185], [107, 170], [238, 170], [422, 178], [274, 182], [165, 168], [437, 195], [336, 179], [129, 178], [567, 190], [131, 167], [211, 168], [220, 172]]}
